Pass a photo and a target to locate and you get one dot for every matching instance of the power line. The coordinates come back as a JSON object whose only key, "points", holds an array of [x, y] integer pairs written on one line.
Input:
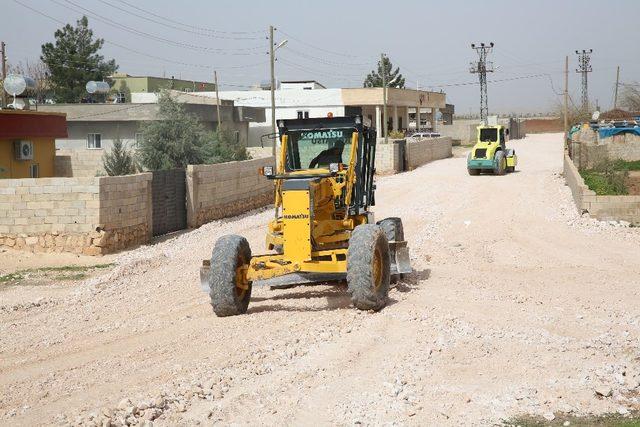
{"points": [[187, 25], [346, 55], [324, 61], [187, 30], [137, 52], [221, 51]]}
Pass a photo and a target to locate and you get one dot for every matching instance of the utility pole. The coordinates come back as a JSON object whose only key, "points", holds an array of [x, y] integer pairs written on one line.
{"points": [[615, 96], [566, 99], [482, 67], [215, 78], [272, 60], [3, 55], [584, 68], [384, 99]]}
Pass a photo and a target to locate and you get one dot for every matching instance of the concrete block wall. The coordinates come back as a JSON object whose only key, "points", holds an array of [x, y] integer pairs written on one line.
{"points": [[125, 211], [226, 189], [388, 156], [427, 150], [604, 208], [79, 163], [72, 214]]}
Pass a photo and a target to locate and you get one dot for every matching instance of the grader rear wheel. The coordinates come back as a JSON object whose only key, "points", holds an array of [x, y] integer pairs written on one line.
{"points": [[368, 267], [230, 292]]}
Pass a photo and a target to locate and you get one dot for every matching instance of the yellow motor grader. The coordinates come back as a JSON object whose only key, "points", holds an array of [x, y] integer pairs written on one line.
{"points": [[323, 229]]}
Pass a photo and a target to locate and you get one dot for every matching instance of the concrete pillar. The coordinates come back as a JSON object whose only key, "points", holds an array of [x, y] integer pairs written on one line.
{"points": [[378, 121], [395, 117], [406, 118], [434, 115]]}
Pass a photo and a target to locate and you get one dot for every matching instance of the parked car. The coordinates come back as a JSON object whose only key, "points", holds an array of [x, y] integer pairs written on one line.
{"points": [[422, 135]]}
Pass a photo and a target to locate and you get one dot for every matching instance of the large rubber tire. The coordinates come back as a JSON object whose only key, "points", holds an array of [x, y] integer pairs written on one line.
{"points": [[229, 253], [368, 266], [500, 163], [473, 172], [392, 228]]}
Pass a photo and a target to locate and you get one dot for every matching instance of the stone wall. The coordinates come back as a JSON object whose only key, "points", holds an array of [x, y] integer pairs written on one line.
{"points": [[87, 216], [605, 208], [589, 149], [226, 189], [427, 150], [78, 163]]}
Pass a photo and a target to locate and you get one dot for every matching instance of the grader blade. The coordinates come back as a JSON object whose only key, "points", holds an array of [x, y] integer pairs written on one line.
{"points": [[400, 262]]}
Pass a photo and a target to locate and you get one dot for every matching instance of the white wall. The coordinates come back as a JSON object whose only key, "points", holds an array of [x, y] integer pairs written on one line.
{"points": [[318, 102]]}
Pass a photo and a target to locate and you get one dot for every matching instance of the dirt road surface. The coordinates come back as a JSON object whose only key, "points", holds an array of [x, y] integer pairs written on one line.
{"points": [[518, 305]]}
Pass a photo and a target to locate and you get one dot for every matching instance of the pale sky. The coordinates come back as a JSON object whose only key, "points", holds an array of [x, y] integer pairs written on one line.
{"points": [[339, 42]]}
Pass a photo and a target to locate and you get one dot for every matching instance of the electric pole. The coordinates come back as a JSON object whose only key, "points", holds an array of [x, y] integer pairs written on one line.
{"points": [[215, 78], [615, 96], [3, 55], [272, 60], [482, 67], [566, 99], [384, 99], [584, 67]]}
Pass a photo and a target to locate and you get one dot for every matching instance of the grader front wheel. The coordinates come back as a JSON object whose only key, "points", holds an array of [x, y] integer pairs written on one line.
{"points": [[230, 292], [368, 267]]}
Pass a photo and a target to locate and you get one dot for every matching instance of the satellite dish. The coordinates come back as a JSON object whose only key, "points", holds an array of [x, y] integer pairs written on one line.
{"points": [[97, 87], [595, 116], [15, 84]]}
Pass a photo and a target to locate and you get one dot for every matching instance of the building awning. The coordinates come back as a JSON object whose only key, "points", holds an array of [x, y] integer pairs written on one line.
{"points": [[31, 124]]}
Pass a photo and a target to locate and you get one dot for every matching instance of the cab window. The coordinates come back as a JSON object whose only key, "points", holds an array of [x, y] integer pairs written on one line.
{"points": [[488, 134], [311, 149]]}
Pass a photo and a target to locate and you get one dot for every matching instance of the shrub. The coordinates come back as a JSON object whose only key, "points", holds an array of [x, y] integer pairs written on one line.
{"points": [[396, 134], [606, 180], [119, 161]]}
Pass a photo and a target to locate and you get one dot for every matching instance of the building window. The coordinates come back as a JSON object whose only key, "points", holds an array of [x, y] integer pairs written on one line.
{"points": [[121, 98], [303, 114], [237, 136], [94, 141], [139, 136], [34, 171]]}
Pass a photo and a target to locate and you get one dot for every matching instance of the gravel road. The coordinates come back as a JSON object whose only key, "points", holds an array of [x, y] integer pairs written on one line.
{"points": [[518, 305]]}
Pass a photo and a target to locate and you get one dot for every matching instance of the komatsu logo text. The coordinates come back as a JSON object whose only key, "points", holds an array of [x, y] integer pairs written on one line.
{"points": [[297, 216]]}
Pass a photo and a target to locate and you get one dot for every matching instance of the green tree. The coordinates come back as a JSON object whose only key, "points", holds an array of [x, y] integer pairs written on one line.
{"points": [[227, 147], [73, 60], [119, 161], [175, 140], [385, 67]]}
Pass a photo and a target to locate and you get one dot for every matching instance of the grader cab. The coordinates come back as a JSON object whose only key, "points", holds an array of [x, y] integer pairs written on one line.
{"points": [[323, 229]]}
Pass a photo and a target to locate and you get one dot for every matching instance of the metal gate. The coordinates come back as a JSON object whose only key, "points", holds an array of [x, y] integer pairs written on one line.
{"points": [[169, 201]]}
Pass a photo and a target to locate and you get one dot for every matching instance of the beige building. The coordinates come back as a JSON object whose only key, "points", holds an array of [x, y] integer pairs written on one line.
{"points": [[308, 99], [401, 103]]}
